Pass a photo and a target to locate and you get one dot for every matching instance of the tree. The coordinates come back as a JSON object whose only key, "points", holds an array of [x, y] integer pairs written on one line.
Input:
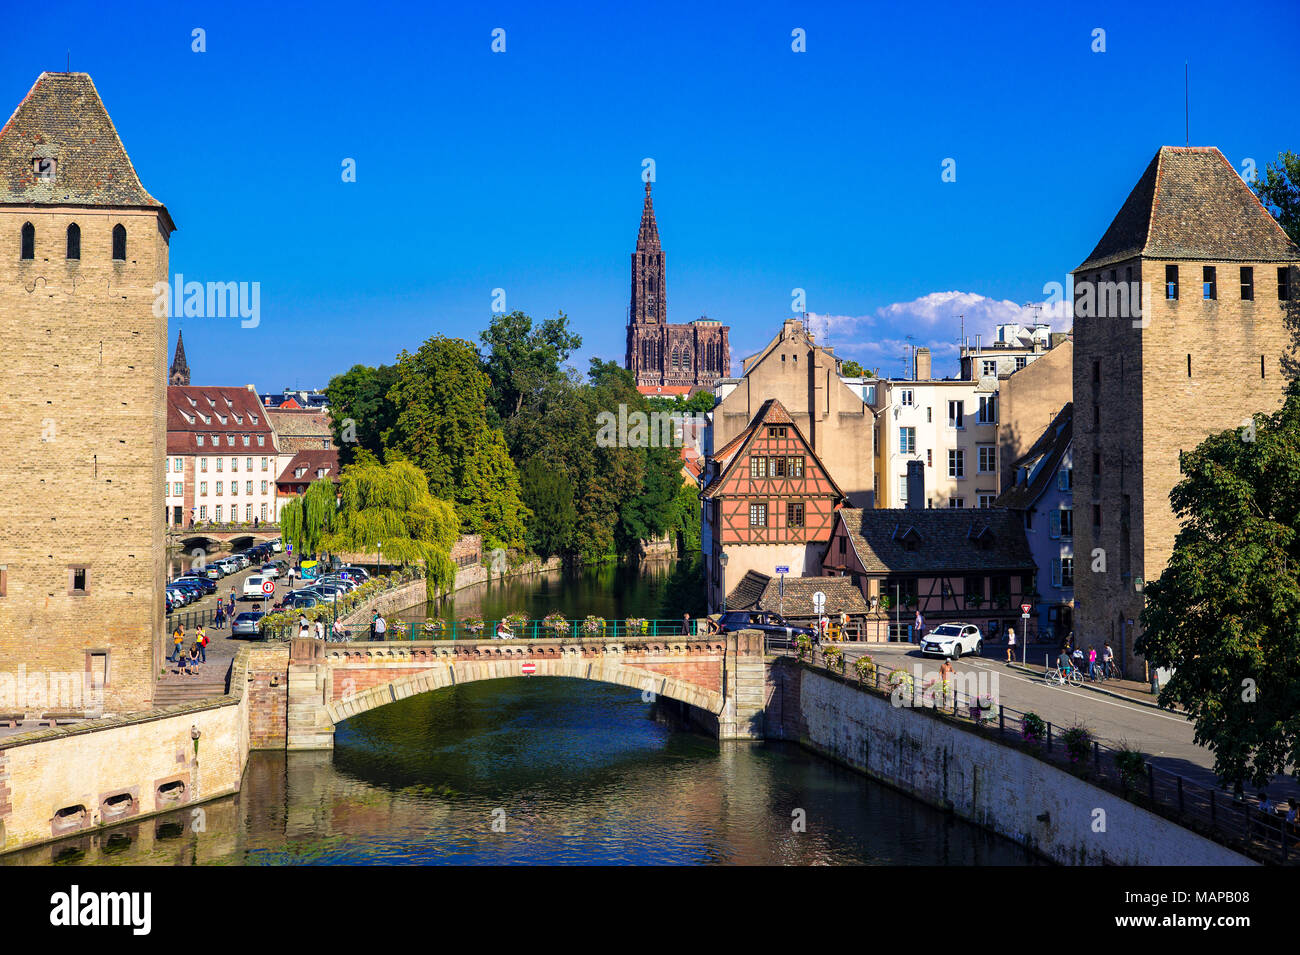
{"points": [[685, 520], [1279, 191], [548, 492], [1225, 613], [360, 411], [305, 521], [390, 505], [851, 369], [441, 392], [521, 359]]}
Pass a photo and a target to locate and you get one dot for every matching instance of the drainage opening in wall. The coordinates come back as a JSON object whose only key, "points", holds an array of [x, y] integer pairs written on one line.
{"points": [[173, 791], [69, 818], [117, 805], [169, 830]]}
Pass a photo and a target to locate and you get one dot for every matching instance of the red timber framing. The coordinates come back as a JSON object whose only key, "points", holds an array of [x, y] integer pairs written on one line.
{"points": [[770, 487]]}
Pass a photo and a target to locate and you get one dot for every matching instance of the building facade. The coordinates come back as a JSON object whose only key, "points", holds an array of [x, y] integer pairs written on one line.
{"points": [[1041, 493], [222, 460], [1178, 333], [667, 359], [768, 503], [82, 391], [950, 426], [1029, 399], [833, 413], [959, 566]]}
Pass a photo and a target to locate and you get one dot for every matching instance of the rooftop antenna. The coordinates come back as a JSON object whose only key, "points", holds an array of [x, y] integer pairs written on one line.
{"points": [[1187, 101]]}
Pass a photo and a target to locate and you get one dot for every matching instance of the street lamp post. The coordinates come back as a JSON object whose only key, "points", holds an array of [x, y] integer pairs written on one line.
{"points": [[379, 554]]}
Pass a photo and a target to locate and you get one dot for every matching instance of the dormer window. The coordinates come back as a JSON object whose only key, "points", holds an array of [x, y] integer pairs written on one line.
{"points": [[43, 167]]}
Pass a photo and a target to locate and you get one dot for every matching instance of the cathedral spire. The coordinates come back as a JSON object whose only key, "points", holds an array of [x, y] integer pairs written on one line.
{"points": [[180, 371], [647, 239]]}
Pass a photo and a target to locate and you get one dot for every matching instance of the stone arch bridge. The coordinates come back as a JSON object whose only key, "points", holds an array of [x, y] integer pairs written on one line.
{"points": [[723, 677], [211, 541]]}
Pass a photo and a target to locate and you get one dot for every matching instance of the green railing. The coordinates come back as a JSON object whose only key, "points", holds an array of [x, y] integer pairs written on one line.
{"points": [[577, 629]]}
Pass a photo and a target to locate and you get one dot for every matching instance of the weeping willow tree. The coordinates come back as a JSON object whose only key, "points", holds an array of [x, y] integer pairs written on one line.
{"points": [[390, 504], [304, 522]]}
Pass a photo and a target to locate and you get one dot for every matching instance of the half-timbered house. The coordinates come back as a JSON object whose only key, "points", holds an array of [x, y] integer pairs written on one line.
{"points": [[768, 502], [972, 565]]}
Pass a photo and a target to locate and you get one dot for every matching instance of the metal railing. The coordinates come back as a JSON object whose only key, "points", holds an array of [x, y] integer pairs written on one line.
{"points": [[475, 629], [1236, 822]]}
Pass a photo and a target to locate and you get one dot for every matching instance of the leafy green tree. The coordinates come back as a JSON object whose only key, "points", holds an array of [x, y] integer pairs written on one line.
{"points": [[851, 369], [685, 520], [306, 520], [548, 492], [390, 504], [442, 426], [521, 359], [360, 411], [1225, 613]]}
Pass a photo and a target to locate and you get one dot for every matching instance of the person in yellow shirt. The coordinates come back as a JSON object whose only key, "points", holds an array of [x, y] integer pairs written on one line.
{"points": [[178, 643], [201, 641]]}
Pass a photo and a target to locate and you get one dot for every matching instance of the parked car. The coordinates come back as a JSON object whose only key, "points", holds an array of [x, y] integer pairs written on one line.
{"points": [[303, 602], [277, 545], [253, 588], [270, 570], [205, 584], [952, 640], [342, 583], [326, 593], [189, 586], [773, 625], [167, 601], [180, 596], [355, 572], [245, 625]]}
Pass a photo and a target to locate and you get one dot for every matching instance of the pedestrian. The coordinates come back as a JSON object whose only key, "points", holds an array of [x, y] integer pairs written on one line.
{"points": [[304, 627], [219, 618], [192, 660], [844, 624], [320, 629], [178, 643], [1011, 644], [1092, 663], [1108, 661], [686, 624], [338, 630], [918, 626], [292, 574], [373, 618], [201, 641], [381, 627]]}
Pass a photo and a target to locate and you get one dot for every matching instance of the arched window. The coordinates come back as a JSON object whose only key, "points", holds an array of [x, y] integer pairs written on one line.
{"points": [[677, 359], [74, 241], [29, 241], [686, 358], [119, 242]]}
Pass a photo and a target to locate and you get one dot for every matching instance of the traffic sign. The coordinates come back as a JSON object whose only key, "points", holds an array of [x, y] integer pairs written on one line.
{"points": [[1025, 608], [268, 587], [819, 602], [783, 570], [529, 669]]}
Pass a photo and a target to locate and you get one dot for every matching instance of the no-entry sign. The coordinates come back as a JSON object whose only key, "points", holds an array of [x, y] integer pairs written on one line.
{"points": [[529, 669]]}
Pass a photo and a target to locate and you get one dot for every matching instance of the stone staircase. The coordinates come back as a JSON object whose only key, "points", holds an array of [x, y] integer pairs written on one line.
{"points": [[169, 692]]}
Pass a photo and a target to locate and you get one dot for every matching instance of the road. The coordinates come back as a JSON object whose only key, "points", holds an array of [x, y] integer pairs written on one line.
{"points": [[1166, 738]]}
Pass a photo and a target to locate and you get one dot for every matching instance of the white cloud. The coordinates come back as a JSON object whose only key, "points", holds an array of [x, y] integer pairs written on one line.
{"points": [[883, 338]]}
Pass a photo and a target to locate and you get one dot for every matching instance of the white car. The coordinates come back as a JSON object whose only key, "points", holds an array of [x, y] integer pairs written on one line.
{"points": [[952, 640], [270, 570], [253, 586]]}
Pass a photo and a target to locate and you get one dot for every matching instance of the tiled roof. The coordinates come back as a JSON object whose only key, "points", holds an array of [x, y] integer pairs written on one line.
{"points": [[222, 416], [1045, 454], [304, 429], [1191, 204], [938, 540], [313, 461], [63, 118], [760, 592]]}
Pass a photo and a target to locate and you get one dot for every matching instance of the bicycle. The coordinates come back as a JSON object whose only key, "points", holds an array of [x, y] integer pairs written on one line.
{"points": [[1054, 677]]}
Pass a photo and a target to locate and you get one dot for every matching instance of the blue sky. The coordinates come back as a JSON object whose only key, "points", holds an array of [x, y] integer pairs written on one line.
{"points": [[521, 170]]}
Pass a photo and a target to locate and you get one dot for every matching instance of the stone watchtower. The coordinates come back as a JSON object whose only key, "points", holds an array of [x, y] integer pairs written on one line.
{"points": [[82, 399], [1179, 333]]}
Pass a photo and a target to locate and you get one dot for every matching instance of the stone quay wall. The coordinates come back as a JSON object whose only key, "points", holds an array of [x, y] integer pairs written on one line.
{"points": [[1048, 810], [71, 779]]}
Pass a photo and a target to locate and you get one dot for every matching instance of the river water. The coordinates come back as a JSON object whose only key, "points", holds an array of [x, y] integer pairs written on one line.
{"points": [[544, 770]]}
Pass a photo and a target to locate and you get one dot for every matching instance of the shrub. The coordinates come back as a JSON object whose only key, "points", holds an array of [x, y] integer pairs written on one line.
{"points": [[901, 680], [555, 622], [833, 658], [517, 620], [865, 667], [803, 646], [593, 625], [637, 625], [1033, 728], [473, 623], [1078, 740], [1132, 765]]}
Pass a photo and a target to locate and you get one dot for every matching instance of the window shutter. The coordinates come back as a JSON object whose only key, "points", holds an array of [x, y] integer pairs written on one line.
{"points": [[1054, 524], [1056, 571], [1063, 480]]}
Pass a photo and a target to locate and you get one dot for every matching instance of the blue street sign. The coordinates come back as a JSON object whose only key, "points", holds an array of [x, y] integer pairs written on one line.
{"points": [[783, 570]]}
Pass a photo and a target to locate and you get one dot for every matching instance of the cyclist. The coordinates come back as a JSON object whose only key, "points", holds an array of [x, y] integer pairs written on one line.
{"points": [[1064, 665]]}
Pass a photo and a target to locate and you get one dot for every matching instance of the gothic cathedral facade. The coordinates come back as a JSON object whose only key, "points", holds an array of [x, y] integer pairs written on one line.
{"points": [[667, 359]]}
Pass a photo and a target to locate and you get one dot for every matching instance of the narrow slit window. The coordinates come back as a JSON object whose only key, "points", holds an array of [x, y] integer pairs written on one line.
{"points": [[1171, 282], [1247, 283], [28, 244], [119, 243], [74, 241], [1209, 283]]}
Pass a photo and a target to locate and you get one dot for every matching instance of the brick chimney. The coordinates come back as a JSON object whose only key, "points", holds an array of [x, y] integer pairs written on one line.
{"points": [[921, 364]]}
